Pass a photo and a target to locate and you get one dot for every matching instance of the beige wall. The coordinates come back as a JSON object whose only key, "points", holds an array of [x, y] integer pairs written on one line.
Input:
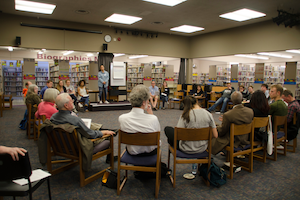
{"points": [[264, 36], [164, 45]]}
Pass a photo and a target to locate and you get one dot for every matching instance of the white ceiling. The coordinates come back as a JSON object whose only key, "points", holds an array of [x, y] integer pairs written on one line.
{"points": [[203, 13]]}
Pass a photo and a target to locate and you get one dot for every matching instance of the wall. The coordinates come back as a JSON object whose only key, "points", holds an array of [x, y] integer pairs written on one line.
{"points": [[258, 37], [202, 66], [164, 45]]}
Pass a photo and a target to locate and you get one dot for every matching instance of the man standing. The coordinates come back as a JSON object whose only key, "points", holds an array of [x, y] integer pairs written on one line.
{"points": [[238, 115], [138, 121], [224, 99], [154, 92], [49, 84], [103, 77], [293, 107]]}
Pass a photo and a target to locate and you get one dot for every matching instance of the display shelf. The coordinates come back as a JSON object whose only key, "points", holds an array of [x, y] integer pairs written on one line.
{"points": [[274, 74], [223, 74], [41, 74], [176, 74], [195, 78], [135, 75], [158, 75], [12, 77], [246, 74], [59, 71], [297, 91], [203, 78], [79, 72]]}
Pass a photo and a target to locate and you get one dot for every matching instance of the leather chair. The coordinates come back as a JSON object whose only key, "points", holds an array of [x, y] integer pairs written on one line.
{"points": [[145, 163]]}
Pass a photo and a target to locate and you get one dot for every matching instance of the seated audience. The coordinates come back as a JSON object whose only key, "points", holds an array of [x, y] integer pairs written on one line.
{"points": [[138, 121], [154, 91], [264, 88], [251, 91], [83, 94], [48, 107], [70, 90], [224, 99], [199, 92], [193, 116], [49, 84], [164, 94], [33, 98], [278, 108], [13, 151], [60, 87], [244, 92], [26, 89], [238, 115], [64, 104], [293, 107]]}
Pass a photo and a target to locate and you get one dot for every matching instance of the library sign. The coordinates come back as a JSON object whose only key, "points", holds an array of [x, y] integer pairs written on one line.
{"points": [[45, 56]]}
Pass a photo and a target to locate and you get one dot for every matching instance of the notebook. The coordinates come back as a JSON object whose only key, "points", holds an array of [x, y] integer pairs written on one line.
{"points": [[87, 122]]}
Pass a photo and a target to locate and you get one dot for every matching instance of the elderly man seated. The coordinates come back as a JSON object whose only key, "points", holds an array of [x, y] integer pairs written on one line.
{"points": [[138, 121], [238, 115], [64, 104]]}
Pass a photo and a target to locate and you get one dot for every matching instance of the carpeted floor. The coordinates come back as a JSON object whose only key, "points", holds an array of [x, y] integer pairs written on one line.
{"points": [[270, 180]]}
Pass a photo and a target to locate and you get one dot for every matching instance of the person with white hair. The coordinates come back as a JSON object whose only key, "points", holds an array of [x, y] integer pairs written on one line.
{"points": [[238, 115], [48, 107], [138, 121], [33, 98]]}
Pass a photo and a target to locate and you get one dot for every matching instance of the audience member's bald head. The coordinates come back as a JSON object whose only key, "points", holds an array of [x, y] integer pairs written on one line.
{"points": [[236, 97], [61, 100]]}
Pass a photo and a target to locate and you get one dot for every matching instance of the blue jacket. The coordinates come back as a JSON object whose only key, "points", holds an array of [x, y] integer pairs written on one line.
{"points": [[103, 76]]}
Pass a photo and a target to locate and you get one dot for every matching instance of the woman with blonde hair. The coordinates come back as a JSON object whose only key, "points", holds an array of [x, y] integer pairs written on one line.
{"points": [[60, 87], [48, 107]]}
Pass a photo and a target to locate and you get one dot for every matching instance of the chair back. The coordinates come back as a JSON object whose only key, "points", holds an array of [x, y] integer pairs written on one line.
{"points": [[189, 88], [43, 118], [240, 129], [179, 87], [11, 170], [178, 95], [141, 139], [280, 121], [29, 106], [64, 143], [259, 122]]}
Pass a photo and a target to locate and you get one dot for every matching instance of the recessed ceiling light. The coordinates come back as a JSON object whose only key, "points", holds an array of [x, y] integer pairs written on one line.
{"points": [[252, 56], [242, 15], [274, 55], [166, 2], [89, 54], [187, 29], [68, 52], [10, 49], [118, 54], [293, 51], [36, 7], [139, 56], [122, 19], [40, 52]]}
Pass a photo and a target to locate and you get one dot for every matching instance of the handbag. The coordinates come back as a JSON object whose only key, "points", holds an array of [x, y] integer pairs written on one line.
{"points": [[270, 138], [217, 175], [110, 179]]}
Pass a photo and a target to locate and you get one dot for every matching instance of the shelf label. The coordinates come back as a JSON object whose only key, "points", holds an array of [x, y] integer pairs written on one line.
{"points": [[259, 80], [29, 77], [93, 77], [289, 81], [234, 80], [147, 78], [169, 79], [63, 77]]}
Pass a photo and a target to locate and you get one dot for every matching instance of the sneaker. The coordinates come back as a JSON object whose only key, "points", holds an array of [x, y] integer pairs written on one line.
{"points": [[280, 147], [75, 111], [100, 102], [106, 102], [80, 105], [167, 102], [163, 108], [218, 113], [86, 110]]}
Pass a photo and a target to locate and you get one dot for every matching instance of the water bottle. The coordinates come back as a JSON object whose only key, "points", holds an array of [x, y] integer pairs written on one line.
{"points": [[194, 168]]}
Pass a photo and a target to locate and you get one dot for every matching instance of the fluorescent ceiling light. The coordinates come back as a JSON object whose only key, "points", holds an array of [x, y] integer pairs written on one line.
{"points": [[122, 19], [118, 54], [187, 29], [166, 2], [89, 54], [139, 56], [40, 52], [293, 51], [274, 55], [10, 49], [252, 56], [36, 7], [242, 15], [68, 52], [43, 49]]}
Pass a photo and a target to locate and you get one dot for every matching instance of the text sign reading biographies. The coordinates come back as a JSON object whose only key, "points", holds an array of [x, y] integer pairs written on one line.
{"points": [[45, 56]]}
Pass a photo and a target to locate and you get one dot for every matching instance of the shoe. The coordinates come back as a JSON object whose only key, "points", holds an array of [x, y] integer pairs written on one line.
{"points": [[86, 110], [80, 105], [86, 105], [75, 111], [280, 147], [108, 159], [217, 113], [100, 102], [106, 102], [163, 108]]}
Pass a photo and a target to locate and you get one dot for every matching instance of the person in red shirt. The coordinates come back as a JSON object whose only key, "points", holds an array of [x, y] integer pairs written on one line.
{"points": [[48, 107], [26, 89]]}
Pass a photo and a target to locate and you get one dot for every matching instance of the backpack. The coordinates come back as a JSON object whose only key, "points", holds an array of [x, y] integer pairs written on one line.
{"points": [[23, 123], [217, 175]]}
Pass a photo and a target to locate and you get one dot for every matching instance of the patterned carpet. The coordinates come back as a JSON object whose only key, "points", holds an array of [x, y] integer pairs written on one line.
{"points": [[271, 180]]}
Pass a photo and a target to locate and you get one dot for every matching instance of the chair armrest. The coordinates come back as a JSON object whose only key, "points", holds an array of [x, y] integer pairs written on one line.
{"points": [[104, 136]]}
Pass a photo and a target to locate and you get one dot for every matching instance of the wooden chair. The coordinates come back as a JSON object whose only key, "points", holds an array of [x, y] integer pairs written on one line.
{"points": [[7, 99], [145, 164], [294, 145], [37, 125], [30, 122], [188, 89], [259, 122], [279, 136], [232, 152], [190, 134], [229, 105], [67, 145], [179, 87], [178, 95], [213, 98]]}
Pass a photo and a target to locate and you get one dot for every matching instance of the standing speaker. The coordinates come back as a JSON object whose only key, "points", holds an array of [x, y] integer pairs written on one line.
{"points": [[18, 40], [105, 47]]}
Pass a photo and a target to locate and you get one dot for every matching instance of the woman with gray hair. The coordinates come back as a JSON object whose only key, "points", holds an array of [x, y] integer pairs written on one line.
{"points": [[32, 98], [48, 107]]}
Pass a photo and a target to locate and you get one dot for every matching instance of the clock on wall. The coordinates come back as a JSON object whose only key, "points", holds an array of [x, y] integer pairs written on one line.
{"points": [[107, 38]]}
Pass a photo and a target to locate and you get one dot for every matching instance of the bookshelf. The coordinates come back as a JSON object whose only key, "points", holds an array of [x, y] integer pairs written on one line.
{"points": [[203, 78], [1, 78], [135, 75], [13, 79], [158, 75], [274, 74], [297, 91], [59, 71], [195, 78], [246, 75], [176, 74], [223, 74], [79, 72], [41, 74]]}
